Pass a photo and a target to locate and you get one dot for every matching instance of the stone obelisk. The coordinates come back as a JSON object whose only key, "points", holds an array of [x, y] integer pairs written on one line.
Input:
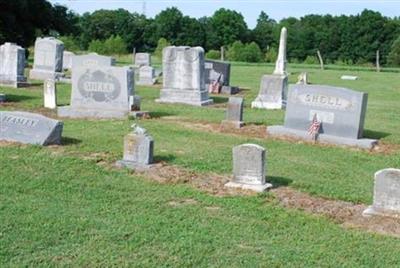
{"points": [[273, 89]]}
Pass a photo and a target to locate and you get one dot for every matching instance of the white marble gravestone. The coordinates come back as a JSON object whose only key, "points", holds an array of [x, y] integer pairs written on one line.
{"points": [[183, 71], [92, 60], [138, 149], [147, 76], [142, 59], [234, 113], [48, 59], [12, 65], [67, 60], [249, 168], [50, 94], [273, 88], [29, 128], [386, 194], [100, 92]]}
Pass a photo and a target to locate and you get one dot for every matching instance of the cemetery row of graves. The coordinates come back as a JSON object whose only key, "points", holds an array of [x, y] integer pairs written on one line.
{"points": [[195, 163]]}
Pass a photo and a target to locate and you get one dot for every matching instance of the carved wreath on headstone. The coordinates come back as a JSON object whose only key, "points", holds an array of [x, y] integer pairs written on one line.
{"points": [[99, 86]]}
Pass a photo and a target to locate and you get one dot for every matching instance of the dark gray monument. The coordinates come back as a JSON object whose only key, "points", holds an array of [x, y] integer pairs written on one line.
{"points": [[12, 65], [341, 112], [386, 194], [234, 113], [183, 71], [48, 59], [100, 92], [29, 128], [249, 168], [220, 72], [138, 149]]}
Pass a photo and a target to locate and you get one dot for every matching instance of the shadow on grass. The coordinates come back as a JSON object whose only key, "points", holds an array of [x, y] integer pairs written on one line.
{"points": [[18, 98], [371, 134], [34, 84], [69, 141], [164, 158], [218, 99], [278, 181], [160, 114]]}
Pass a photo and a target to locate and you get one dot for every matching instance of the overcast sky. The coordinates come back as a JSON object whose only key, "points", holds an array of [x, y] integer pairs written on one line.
{"points": [[250, 9]]}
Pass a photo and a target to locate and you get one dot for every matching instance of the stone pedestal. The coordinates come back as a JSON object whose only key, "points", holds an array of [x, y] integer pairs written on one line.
{"points": [[273, 92]]}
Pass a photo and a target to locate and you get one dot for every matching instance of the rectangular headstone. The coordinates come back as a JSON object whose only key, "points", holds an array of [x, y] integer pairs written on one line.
{"points": [[29, 128], [92, 60], [12, 65], [142, 59], [50, 94], [386, 194], [234, 113], [48, 59], [272, 94], [100, 92], [67, 60], [183, 81], [249, 168], [341, 112], [147, 76]]}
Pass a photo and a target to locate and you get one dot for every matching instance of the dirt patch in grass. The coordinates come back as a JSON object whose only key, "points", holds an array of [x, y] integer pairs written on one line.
{"points": [[347, 214]]}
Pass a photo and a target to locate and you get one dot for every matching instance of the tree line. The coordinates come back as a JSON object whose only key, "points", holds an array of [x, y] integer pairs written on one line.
{"points": [[341, 39]]}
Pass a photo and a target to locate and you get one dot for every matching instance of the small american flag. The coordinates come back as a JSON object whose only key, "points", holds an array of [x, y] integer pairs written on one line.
{"points": [[315, 125]]}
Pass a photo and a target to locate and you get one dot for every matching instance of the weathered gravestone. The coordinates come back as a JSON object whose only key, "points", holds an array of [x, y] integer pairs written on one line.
{"points": [[302, 79], [234, 113], [30, 128], [135, 108], [100, 92], [12, 65], [183, 71], [50, 93], [147, 76], [249, 168], [142, 59], [273, 88], [92, 60], [48, 59], [386, 194], [138, 149], [219, 72], [67, 60], [341, 112]]}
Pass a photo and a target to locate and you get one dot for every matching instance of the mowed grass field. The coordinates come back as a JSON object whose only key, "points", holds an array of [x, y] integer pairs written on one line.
{"points": [[62, 206]]}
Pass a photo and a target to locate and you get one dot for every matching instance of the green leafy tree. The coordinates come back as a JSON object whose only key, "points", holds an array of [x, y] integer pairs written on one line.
{"points": [[70, 43], [394, 55], [115, 45], [252, 53], [213, 54], [263, 33], [235, 51], [162, 43], [271, 55]]}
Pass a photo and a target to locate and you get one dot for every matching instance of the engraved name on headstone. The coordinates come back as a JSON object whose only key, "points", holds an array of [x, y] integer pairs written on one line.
{"points": [[92, 60]]}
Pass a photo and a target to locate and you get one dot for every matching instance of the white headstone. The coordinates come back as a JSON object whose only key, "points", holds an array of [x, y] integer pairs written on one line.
{"points": [[143, 59], [147, 76], [280, 66], [50, 93], [67, 60], [12, 65]]}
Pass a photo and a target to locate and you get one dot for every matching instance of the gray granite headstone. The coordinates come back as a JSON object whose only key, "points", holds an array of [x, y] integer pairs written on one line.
{"points": [[138, 149], [341, 112], [147, 76], [249, 168], [92, 60], [386, 194], [29, 128], [48, 59], [142, 59], [272, 94], [183, 71], [67, 60], [50, 94], [234, 113], [12, 65], [100, 92]]}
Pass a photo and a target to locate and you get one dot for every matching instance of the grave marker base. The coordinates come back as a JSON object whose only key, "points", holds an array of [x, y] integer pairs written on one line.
{"points": [[68, 111], [133, 165], [231, 124], [43, 75], [255, 188], [372, 211]]}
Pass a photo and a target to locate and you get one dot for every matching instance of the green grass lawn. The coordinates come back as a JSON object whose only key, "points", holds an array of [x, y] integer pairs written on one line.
{"points": [[59, 207]]}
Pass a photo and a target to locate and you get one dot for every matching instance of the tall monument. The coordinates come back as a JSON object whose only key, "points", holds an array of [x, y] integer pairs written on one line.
{"points": [[273, 89]]}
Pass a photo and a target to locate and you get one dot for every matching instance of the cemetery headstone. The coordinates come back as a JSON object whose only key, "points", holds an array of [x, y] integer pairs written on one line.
{"points": [[12, 65], [67, 60], [136, 112], [183, 71], [138, 149], [29, 128], [48, 59], [249, 168], [219, 73], [92, 60], [142, 59], [50, 94], [386, 194], [302, 79], [234, 113], [100, 92], [340, 111], [273, 89], [349, 77], [147, 76]]}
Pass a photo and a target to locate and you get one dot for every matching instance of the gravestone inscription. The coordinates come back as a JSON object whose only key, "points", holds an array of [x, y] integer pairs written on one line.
{"points": [[234, 113], [92, 60]]}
